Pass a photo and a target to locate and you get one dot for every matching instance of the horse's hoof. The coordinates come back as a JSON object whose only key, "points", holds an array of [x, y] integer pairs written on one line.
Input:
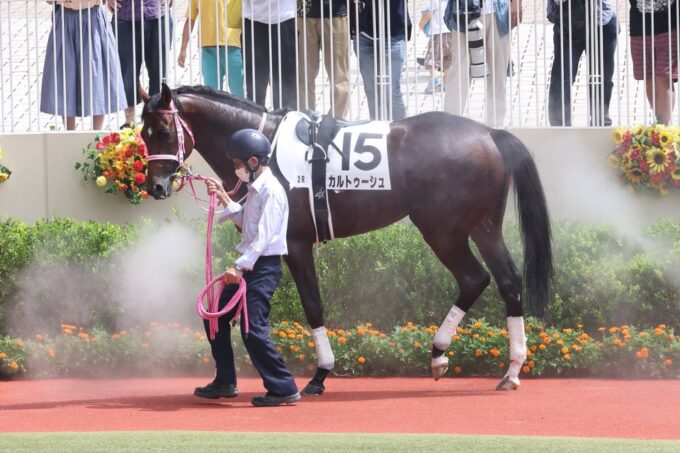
{"points": [[313, 389], [508, 383], [439, 366]]}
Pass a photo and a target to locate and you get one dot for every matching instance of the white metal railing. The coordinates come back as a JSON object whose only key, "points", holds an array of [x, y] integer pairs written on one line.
{"points": [[25, 28]]}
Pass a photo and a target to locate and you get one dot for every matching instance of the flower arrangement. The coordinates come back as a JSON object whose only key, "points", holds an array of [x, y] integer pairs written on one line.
{"points": [[4, 171], [117, 163], [477, 349], [648, 157]]}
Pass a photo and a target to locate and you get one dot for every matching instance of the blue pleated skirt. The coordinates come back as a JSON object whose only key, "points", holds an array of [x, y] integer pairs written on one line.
{"points": [[82, 74]]}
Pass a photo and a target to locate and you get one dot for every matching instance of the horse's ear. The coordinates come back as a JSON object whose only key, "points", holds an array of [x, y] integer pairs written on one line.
{"points": [[166, 94], [143, 95]]}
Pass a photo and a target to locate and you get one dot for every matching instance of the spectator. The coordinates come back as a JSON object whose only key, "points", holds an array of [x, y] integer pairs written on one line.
{"points": [[571, 39], [81, 75], [145, 24], [496, 39], [220, 44], [331, 35], [438, 55], [268, 41], [389, 47], [654, 49]]}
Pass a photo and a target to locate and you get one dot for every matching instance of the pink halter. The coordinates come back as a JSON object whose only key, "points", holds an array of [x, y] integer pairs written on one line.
{"points": [[180, 125]]}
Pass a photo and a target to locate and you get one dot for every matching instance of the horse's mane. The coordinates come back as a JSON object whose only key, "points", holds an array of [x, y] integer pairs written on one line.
{"points": [[219, 97]]}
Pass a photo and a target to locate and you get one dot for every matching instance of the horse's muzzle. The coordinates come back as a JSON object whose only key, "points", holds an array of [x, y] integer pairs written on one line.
{"points": [[159, 188]]}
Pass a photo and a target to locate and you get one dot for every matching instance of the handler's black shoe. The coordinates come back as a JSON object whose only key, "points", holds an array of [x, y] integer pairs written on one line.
{"points": [[216, 390], [270, 400]]}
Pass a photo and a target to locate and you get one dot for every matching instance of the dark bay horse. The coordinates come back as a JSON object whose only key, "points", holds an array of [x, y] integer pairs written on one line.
{"points": [[450, 175]]}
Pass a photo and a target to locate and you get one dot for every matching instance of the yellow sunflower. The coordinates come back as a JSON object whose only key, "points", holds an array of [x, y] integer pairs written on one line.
{"points": [[658, 160], [617, 135], [664, 138], [635, 175]]}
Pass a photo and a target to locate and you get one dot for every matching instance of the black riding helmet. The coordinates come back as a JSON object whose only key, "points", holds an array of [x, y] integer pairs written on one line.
{"points": [[247, 143]]}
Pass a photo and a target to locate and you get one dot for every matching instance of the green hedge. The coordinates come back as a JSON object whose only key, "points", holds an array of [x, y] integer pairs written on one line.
{"points": [[389, 277], [479, 349]]}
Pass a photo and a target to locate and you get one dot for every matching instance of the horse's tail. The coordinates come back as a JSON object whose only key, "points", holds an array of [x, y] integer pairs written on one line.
{"points": [[533, 218]]}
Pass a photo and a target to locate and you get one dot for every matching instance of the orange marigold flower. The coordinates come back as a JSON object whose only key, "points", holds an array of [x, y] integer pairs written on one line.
{"points": [[642, 353], [38, 337], [601, 329], [658, 332], [478, 352], [503, 332], [533, 348], [301, 357], [556, 335], [456, 337], [526, 369], [541, 347], [567, 330], [457, 370], [547, 340], [409, 324], [613, 329], [282, 334], [560, 342], [494, 352], [567, 356], [299, 336], [417, 344], [668, 362], [361, 360], [661, 326], [531, 364], [368, 324], [451, 353], [342, 340], [310, 344], [340, 332], [13, 365], [382, 335], [477, 325], [3, 355], [565, 350]]}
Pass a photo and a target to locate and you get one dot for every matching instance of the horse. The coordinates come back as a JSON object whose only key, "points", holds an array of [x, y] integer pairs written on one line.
{"points": [[450, 176]]}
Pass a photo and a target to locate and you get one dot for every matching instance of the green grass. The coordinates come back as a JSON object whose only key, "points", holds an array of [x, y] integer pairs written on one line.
{"points": [[195, 441]]}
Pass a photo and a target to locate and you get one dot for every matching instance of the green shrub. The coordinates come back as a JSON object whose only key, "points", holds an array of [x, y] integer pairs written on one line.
{"points": [[389, 276]]}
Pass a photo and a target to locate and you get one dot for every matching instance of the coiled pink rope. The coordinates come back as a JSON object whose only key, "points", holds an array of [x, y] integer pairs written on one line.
{"points": [[238, 300]]}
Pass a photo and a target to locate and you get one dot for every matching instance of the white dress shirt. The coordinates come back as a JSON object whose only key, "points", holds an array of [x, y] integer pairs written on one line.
{"points": [[269, 11], [263, 220]]}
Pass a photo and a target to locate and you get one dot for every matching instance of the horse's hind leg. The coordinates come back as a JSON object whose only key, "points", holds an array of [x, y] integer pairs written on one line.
{"points": [[300, 262], [509, 281], [454, 251]]}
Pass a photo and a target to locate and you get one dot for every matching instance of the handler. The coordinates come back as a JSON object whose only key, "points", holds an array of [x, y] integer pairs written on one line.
{"points": [[263, 220]]}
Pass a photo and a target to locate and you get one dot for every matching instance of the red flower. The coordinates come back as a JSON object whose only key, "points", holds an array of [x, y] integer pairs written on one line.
{"points": [[141, 147], [129, 151], [140, 178], [644, 166], [138, 165], [115, 137], [106, 141], [100, 146]]}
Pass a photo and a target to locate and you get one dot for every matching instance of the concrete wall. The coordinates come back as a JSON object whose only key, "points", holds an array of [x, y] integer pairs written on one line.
{"points": [[572, 163]]}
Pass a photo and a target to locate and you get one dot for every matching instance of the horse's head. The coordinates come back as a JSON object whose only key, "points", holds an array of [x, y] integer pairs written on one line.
{"points": [[168, 139]]}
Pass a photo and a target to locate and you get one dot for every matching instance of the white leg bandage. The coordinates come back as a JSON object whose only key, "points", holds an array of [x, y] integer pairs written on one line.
{"points": [[442, 339], [324, 353], [518, 345]]}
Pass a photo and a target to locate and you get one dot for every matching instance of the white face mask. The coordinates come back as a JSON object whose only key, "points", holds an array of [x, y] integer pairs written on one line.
{"points": [[243, 174]]}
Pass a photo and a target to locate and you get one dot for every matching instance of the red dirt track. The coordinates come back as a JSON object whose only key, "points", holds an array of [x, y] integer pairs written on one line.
{"points": [[546, 407]]}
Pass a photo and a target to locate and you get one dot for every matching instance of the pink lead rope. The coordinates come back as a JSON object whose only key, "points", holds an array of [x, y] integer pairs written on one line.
{"points": [[238, 300]]}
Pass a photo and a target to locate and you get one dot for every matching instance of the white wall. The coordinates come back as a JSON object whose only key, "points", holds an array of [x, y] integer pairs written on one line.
{"points": [[572, 163]]}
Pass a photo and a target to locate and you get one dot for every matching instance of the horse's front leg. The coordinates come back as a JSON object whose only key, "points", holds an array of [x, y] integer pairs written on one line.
{"points": [[300, 261]]}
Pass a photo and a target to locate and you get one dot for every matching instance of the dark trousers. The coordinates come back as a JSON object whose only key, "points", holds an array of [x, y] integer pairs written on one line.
{"points": [[262, 282], [563, 75], [156, 48], [257, 49]]}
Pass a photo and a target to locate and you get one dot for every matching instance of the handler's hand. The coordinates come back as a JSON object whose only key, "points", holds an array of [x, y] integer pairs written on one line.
{"points": [[215, 188], [232, 276]]}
